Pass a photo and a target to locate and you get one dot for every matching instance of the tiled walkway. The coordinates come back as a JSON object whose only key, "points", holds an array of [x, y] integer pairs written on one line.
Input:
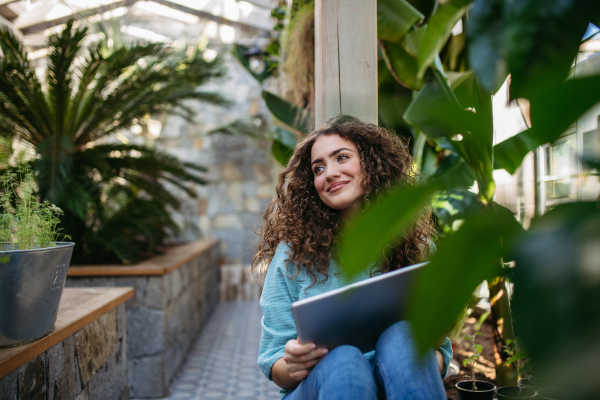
{"points": [[222, 364]]}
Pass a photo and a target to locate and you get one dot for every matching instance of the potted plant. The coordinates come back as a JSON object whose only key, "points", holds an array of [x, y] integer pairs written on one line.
{"points": [[33, 265], [473, 389], [518, 357]]}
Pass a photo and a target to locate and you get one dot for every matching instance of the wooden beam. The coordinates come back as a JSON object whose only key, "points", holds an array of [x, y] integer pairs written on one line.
{"points": [[345, 59]]}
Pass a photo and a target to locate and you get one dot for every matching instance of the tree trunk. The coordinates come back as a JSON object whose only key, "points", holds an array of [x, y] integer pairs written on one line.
{"points": [[502, 331]]}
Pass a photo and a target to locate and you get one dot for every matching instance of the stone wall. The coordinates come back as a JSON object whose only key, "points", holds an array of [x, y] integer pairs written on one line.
{"points": [[164, 317], [240, 170], [88, 365]]}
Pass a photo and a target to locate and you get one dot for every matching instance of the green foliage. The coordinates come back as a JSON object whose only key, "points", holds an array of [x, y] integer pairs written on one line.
{"points": [[366, 239], [89, 100], [555, 306], [295, 118], [438, 30], [26, 223], [283, 144], [477, 348], [485, 32], [475, 248], [395, 18], [517, 355]]}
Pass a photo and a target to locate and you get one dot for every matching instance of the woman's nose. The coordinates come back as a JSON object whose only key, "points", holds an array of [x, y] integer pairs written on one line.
{"points": [[332, 173]]}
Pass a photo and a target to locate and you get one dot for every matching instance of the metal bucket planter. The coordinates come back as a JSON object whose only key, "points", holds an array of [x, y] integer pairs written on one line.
{"points": [[31, 283]]}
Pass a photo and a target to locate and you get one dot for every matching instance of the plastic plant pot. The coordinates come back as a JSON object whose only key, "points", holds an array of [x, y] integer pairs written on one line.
{"points": [[531, 383], [515, 392], [485, 390]]}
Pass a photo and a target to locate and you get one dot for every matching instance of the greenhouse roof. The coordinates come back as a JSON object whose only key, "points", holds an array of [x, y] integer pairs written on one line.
{"points": [[224, 21]]}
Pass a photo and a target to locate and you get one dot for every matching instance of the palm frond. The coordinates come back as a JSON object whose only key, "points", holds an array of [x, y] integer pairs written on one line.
{"points": [[243, 127]]}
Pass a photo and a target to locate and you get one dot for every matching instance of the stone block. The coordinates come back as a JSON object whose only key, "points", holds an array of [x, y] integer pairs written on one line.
{"points": [[173, 360], [145, 332], [262, 172], [32, 379], [84, 395], [110, 381], [251, 222], [139, 284], [154, 292], [122, 322], [228, 221], [252, 205], [147, 377], [231, 173], [61, 370], [95, 343], [8, 386], [249, 188], [265, 191]]}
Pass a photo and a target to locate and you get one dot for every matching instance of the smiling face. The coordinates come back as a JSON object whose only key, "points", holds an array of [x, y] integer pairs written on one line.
{"points": [[335, 163]]}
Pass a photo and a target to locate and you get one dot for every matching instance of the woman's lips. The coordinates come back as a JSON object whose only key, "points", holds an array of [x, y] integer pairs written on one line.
{"points": [[337, 186]]}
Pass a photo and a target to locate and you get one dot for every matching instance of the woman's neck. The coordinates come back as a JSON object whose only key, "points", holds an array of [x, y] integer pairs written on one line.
{"points": [[347, 213]]}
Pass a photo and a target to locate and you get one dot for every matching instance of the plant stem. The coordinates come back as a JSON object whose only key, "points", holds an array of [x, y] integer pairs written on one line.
{"points": [[502, 330]]}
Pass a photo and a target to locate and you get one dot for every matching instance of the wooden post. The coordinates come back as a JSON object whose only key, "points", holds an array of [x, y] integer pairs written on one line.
{"points": [[345, 59]]}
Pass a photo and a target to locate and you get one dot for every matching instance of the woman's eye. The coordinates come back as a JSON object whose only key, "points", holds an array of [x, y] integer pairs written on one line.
{"points": [[317, 170], [342, 157]]}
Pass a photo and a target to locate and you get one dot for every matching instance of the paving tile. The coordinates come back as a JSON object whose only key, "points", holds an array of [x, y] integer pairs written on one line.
{"points": [[222, 363]]}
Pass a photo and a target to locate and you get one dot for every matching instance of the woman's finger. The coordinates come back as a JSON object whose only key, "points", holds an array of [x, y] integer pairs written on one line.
{"points": [[297, 349], [317, 353], [293, 367]]}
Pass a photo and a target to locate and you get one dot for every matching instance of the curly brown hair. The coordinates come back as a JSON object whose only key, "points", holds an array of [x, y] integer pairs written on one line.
{"points": [[299, 217]]}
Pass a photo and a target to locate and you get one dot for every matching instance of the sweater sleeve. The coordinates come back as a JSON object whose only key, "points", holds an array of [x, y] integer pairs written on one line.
{"points": [[278, 322], [446, 350]]}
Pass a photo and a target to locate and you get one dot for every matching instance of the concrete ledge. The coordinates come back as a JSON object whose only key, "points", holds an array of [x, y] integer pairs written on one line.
{"points": [[85, 357]]}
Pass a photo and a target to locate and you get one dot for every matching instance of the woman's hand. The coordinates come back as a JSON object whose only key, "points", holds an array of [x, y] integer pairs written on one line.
{"points": [[296, 364], [301, 358]]}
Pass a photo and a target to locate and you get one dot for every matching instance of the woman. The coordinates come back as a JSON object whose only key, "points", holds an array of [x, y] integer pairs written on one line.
{"points": [[334, 172]]}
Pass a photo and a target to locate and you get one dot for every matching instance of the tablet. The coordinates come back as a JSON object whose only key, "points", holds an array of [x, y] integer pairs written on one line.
{"points": [[356, 314]]}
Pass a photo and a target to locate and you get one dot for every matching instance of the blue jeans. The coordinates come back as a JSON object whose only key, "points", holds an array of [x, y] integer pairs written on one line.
{"points": [[346, 374]]}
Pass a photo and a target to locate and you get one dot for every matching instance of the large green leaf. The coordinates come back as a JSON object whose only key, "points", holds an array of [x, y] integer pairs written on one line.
{"points": [[542, 38], [294, 117], [510, 153], [434, 110], [555, 307], [452, 173], [282, 146], [555, 109], [438, 30], [393, 100], [401, 65], [462, 261], [486, 43], [453, 205], [366, 237], [395, 18], [552, 112]]}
